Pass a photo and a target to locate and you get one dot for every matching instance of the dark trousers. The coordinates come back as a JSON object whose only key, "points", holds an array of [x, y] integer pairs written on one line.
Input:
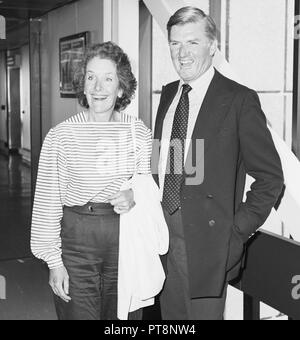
{"points": [[175, 300], [90, 250]]}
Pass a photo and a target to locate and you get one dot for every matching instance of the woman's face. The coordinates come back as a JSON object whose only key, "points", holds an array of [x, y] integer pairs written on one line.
{"points": [[101, 86]]}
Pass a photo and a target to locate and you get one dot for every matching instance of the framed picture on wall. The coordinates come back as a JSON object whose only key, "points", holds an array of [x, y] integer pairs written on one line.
{"points": [[71, 52]]}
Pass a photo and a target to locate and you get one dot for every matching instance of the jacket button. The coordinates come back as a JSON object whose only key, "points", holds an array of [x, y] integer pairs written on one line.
{"points": [[212, 223], [210, 197], [90, 208]]}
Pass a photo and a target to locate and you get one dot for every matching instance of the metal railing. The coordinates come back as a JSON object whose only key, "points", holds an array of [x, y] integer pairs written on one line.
{"points": [[271, 275]]}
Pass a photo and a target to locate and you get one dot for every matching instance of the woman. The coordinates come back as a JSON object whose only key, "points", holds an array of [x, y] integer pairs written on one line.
{"points": [[83, 164]]}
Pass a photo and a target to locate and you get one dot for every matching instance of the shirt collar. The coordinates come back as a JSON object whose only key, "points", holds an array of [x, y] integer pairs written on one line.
{"points": [[201, 82]]}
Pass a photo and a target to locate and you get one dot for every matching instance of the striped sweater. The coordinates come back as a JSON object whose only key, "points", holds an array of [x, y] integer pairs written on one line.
{"points": [[82, 162]]}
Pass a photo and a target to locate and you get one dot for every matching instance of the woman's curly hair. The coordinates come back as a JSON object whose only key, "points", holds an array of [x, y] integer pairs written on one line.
{"points": [[127, 81]]}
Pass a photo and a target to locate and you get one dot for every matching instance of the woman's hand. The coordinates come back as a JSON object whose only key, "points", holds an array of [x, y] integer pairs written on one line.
{"points": [[123, 201], [59, 282]]}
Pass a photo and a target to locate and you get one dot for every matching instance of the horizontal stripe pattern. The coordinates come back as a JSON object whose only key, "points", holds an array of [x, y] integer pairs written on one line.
{"points": [[82, 162]]}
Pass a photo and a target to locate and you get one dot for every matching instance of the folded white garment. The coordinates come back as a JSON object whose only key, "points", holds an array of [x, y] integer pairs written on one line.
{"points": [[144, 237]]}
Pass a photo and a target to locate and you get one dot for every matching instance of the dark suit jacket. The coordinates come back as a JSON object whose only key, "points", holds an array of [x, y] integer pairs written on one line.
{"points": [[216, 221]]}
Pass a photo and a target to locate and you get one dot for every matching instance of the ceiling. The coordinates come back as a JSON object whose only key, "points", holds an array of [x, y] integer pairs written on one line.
{"points": [[18, 12]]}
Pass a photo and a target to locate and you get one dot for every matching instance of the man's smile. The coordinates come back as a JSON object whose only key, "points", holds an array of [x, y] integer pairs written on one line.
{"points": [[186, 63]]}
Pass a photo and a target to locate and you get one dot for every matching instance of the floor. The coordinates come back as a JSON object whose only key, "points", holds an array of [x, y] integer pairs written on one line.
{"points": [[15, 208], [24, 290]]}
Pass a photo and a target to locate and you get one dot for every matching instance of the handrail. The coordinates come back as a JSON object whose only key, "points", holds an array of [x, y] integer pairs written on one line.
{"points": [[271, 275]]}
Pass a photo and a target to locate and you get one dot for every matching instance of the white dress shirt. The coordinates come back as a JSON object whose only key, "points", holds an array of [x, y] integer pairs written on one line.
{"points": [[196, 97]]}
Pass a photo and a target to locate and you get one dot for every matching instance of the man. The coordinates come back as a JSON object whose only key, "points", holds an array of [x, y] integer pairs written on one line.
{"points": [[208, 222]]}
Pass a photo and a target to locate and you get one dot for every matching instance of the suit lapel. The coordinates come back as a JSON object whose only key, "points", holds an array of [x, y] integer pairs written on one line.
{"points": [[167, 97], [213, 112]]}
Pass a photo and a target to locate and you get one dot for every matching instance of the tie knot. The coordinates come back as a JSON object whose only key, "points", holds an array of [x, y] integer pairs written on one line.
{"points": [[186, 88]]}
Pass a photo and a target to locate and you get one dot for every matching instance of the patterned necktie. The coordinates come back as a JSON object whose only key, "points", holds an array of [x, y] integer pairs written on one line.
{"points": [[175, 168]]}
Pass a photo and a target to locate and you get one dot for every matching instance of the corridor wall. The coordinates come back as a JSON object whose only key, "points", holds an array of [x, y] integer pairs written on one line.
{"points": [[3, 131], [81, 16]]}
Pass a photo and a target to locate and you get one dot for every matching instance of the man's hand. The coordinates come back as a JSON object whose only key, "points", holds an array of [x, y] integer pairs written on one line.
{"points": [[123, 201], [59, 282]]}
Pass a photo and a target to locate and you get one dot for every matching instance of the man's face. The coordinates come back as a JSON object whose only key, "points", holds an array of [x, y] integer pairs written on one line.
{"points": [[191, 50]]}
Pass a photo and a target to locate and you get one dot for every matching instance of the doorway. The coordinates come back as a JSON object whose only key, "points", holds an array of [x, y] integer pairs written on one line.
{"points": [[14, 105]]}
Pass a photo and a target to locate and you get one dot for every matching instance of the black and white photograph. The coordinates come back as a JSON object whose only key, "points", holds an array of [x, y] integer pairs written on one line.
{"points": [[150, 162]]}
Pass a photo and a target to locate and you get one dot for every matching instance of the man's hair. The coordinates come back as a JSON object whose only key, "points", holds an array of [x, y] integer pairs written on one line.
{"points": [[127, 82], [189, 14]]}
